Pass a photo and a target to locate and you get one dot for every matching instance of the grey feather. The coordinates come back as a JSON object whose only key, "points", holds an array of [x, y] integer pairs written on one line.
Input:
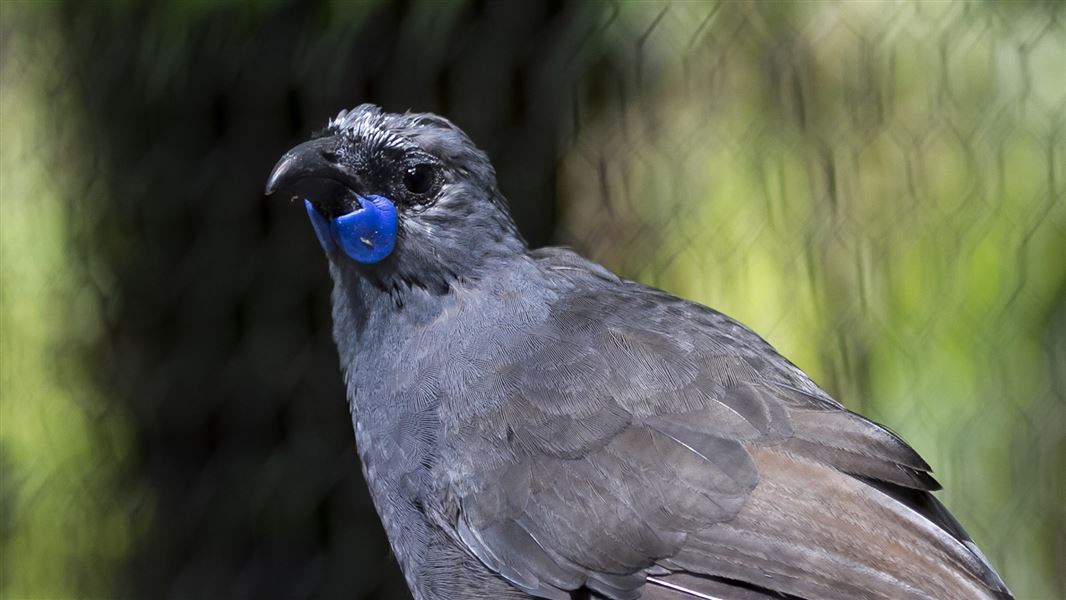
{"points": [[532, 425]]}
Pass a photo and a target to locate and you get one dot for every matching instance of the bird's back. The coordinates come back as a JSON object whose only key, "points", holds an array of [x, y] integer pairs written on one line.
{"points": [[647, 445]]}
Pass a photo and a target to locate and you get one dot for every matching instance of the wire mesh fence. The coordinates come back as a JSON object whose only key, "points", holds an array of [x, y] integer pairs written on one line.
{"points": [[876, 188]]}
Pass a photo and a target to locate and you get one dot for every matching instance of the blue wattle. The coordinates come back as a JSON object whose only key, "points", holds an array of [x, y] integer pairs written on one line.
{"points": [[321, 227], [367, 234]]}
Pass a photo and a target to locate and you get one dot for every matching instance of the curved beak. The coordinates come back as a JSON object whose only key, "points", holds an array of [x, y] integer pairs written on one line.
{"points": [[311, 171]]}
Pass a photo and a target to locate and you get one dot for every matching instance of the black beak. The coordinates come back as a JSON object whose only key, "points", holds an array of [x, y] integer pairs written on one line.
{"points": [[311, 170]]}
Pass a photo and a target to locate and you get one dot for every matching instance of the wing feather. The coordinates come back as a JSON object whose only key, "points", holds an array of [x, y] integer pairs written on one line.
{"points": [[640, 435]]}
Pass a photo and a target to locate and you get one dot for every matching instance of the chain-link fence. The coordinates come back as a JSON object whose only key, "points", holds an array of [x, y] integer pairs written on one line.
{"points": [[877, 188]]}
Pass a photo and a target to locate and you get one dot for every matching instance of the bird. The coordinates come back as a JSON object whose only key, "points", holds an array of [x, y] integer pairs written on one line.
{"points": [[532, 425]]}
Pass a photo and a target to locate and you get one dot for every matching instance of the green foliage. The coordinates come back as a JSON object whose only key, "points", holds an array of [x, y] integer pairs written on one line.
{"points": [[66, 523], [878, 189]]}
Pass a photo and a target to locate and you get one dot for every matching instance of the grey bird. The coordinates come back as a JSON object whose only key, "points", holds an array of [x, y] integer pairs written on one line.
{"points": [[532, 425]]}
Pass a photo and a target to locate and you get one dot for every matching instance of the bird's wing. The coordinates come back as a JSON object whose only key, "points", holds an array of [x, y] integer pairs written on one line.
{"points": [[641, 444]]}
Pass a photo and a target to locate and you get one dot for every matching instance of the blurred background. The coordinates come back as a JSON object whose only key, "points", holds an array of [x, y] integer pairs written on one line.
{"points": [[876, 188]]}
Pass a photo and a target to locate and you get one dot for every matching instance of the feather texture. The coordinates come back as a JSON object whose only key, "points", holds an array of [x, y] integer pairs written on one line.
{"points": [[531, 425], [680, 440]]}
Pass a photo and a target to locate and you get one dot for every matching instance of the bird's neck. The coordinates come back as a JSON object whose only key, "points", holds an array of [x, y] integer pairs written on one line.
{"points": [[397, 359], [436, 253]]}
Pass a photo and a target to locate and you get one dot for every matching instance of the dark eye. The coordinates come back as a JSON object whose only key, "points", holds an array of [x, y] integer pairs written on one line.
{"points": [[419, 178]]}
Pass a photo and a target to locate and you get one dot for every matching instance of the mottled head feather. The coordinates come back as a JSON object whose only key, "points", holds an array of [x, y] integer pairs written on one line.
{"points": [[450, 237]]}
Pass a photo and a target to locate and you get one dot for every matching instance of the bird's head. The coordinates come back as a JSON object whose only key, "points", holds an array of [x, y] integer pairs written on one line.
{"points": [[400, 199]]}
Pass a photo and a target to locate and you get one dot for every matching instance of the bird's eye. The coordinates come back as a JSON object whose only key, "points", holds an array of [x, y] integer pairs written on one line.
{"points": [[419, 178]]}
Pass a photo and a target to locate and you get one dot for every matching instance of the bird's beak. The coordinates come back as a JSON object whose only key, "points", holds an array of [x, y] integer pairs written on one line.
{"points": [[311, 171], [364, 228]]}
